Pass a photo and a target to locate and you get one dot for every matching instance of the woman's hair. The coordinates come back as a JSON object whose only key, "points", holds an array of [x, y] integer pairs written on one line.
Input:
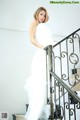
{"points": [[38, 11]]}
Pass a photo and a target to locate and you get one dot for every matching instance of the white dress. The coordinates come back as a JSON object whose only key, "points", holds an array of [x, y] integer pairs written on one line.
{"points": [[36, 82]]}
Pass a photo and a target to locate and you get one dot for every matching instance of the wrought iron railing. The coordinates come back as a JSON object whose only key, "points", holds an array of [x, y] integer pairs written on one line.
{"points": [[63, 74]]}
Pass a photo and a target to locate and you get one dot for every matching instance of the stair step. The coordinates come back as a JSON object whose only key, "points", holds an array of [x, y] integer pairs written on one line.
{"points": [[76, 87], [18, 117]]}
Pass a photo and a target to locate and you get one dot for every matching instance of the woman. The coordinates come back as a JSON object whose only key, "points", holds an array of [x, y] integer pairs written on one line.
{"points": [[40, 36]]}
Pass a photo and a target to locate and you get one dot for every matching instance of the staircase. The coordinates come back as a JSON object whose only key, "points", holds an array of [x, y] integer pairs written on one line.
{"points": [[63, 79], [63, 75]]}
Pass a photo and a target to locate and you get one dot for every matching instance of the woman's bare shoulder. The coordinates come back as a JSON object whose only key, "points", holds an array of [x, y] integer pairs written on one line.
{"points": [[32, 27], [33, 24]]}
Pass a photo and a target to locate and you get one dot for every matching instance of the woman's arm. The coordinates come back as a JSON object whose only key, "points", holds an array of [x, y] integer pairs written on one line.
{"points": [[32, 35]]}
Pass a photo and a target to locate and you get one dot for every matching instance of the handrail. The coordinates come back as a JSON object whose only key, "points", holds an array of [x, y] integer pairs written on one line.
{"points": [[66, 37], [63, 39], [65, 86]]}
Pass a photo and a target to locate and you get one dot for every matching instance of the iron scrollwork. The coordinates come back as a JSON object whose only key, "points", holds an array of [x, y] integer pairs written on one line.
{"points": [[75, 59]]}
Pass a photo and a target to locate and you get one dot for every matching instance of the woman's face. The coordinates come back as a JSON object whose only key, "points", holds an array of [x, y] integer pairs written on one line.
{"points": [[42, 16]]}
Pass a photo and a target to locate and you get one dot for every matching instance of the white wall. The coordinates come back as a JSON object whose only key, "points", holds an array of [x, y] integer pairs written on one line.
{"points": [[16, 52]]}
